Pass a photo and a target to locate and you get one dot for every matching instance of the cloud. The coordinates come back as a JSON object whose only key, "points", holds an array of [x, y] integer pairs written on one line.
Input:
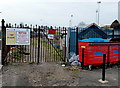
{"points": [[18, 1]]}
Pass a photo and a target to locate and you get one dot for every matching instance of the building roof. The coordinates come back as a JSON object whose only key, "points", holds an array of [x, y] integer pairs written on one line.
{"points": [[93, 25], [115, 24]]}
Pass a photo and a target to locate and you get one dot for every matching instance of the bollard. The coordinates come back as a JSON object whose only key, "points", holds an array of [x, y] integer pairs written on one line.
{"points": [[103, 68]]}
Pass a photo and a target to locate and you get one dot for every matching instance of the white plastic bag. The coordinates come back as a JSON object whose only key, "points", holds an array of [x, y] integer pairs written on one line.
{"points": [[72, 58]]}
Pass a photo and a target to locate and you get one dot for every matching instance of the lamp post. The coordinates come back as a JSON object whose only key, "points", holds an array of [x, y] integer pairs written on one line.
{"points": [[98, 11]]}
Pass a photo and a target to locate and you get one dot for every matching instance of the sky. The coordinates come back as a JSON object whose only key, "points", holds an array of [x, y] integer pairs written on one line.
{"points": [[57, 12]]}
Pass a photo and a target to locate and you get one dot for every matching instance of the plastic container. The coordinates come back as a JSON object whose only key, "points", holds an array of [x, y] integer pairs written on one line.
{"points": [[93, 52], [114, 52]]}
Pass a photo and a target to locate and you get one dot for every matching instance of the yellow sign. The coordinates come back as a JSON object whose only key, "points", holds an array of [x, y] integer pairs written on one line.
{"points": [[83, 47], [11, 37]]}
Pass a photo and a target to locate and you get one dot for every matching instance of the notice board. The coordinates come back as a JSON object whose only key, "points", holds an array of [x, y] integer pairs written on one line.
{"points": [[17, 36]]}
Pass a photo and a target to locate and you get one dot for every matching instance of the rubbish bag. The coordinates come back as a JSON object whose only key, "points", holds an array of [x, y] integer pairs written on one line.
{"points": [[75, 63], [72, 58]]}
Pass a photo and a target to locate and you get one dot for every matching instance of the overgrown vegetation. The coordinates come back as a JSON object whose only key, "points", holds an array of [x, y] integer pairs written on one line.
{"points": [[17, 53]]}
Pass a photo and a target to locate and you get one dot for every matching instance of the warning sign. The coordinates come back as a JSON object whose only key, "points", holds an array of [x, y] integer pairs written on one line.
{"points": [[11, 37], [17, 36]]}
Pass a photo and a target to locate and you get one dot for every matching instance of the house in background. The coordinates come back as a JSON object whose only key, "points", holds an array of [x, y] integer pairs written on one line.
{"points": [[115, 25], [91, 31], [113, 30]]}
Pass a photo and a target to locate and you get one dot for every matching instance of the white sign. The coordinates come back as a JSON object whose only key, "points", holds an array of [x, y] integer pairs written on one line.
{"points": [[50, 36], [17, 36]]}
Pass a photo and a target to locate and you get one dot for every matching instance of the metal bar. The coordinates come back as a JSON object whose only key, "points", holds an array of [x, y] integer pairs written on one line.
{"points": [[46, 46], [38, 44], [16, 50], [33, 57], [65, 47], [30, 45], [27, 52], [3, 41], [57, 34], [28, 58], [13, 54], [35, 41], [43, 46], [36, 31], [9, 56], [56, 54], [77, 41], [82, 58], [20, 53], [52, 51]]}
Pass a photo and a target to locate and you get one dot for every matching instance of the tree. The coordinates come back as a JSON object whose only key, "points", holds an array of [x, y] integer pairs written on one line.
{"points": [[81, 24]]}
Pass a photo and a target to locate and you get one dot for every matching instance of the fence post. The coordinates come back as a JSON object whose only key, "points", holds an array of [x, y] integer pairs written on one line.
{"points": [[103, 68], [68, 45], [77, 41], [38, 44], [4, 48], [65, 59]]}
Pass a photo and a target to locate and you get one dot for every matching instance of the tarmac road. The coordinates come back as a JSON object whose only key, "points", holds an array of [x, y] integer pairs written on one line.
{"points": [[21, 80], [52, 74]]}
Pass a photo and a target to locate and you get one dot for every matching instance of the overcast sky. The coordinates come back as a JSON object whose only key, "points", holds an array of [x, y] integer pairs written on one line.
{"points": [[57, 12]]}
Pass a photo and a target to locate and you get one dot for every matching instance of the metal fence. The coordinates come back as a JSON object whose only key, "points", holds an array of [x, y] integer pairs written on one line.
{"points": [[42, 48], [49, 48]]}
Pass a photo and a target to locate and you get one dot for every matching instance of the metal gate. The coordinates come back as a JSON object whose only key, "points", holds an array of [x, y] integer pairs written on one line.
{"points": [[42, 48]]}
